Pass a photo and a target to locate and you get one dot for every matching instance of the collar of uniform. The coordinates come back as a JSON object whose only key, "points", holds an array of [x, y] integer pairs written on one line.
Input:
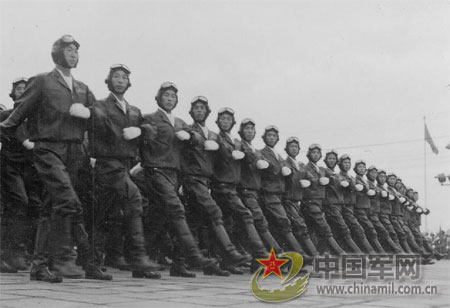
{"points": [[122, 103], [248, 144], [296, 164], [169, 116], [68, 80]]}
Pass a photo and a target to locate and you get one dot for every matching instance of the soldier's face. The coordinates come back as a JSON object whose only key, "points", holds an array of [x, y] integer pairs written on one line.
{"points": [[391, 180], [19, 89], [315, 155], [398, 185], [271, 138], [416, 196], [346, 165], [381, 178], [225, 122], [199, 112], [361, 169], [331, 161], [372, 175], [71, 55], [120, 81], [293, 149], [248, 132], [168, 100]]}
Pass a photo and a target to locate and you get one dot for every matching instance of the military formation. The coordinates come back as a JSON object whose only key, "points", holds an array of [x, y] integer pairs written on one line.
{"points": [[88, 184]]}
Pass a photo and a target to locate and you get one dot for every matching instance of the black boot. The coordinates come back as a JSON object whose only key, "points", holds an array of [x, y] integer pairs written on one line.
{"points": [[95, 272], [232, 255], [376, 245], [6, 268], [146, 274], [42, 273], [178, 269], [270, 242], [256, 245], [352, 245], [114, 256], [215, 270], [139, 259], [393, 246], [232, 269], [334, 246], [310, 247], [405, 246], [194, 257], [62, 248]]}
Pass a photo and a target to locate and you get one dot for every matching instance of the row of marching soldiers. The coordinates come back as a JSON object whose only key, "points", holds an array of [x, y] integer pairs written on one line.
{"points": [[88, 183]]}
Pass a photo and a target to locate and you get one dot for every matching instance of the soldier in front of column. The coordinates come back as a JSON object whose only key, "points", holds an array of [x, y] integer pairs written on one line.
{"points": [[314, 196], [347, 187], [293, 198], [21, 192], [160, 157], [386, 209], [334, 202], [250, 183], [375, 211], [56, 106], [114, 139], [227, 175], [273, 187], [364, 194], [197, 168]]}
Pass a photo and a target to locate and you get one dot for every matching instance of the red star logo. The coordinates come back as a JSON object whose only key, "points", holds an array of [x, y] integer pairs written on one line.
{"points": [[272, 265]]}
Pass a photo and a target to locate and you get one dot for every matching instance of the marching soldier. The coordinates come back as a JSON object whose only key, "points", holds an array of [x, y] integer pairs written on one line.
{"points": [[314, 196], [113, 136], [364, 194], [386, 209], [197, 169], [375, 210], [334, 201], [227, 174], [21, 191], [250, 183], [347, 186], [273, 188], [56, 106], [160, 154]]}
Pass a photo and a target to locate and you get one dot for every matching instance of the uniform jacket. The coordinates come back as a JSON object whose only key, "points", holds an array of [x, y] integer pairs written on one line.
{"points": [[348, 193], [315, 191], [385, 205], [161, 150], [105, 130], [194, 159], [226, 169], [294, 191], [272, 180], [362, 199], [395, 204], [46, 103], [333, 193], [374, 200], [250, 174], [12, 148]]}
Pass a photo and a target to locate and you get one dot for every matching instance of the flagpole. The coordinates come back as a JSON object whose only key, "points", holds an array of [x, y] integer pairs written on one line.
{"points": [[425, 173]]}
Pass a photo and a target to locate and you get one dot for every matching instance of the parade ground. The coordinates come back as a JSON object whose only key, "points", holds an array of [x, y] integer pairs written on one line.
{"points": [[16, 290]]}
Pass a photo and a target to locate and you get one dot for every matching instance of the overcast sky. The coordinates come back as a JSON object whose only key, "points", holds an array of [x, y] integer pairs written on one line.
{"points": [[357, 76]]}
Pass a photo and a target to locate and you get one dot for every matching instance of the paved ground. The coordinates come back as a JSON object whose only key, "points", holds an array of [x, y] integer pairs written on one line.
{"points": [[16, 290]]}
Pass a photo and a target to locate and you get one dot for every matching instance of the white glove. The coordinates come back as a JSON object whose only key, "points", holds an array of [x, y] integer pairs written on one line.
{"points": [[371, 193], [131, 132], [345, 183], [408, 204], [183, 135], [262, 164], [136, 169], [92, 162], [359, 187], [391, 197], [305, 183], [211, 145], [285, 171], [324, 180], [402, 200], [237, 155], [28, 144], [384, 194], [78, 110]]}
